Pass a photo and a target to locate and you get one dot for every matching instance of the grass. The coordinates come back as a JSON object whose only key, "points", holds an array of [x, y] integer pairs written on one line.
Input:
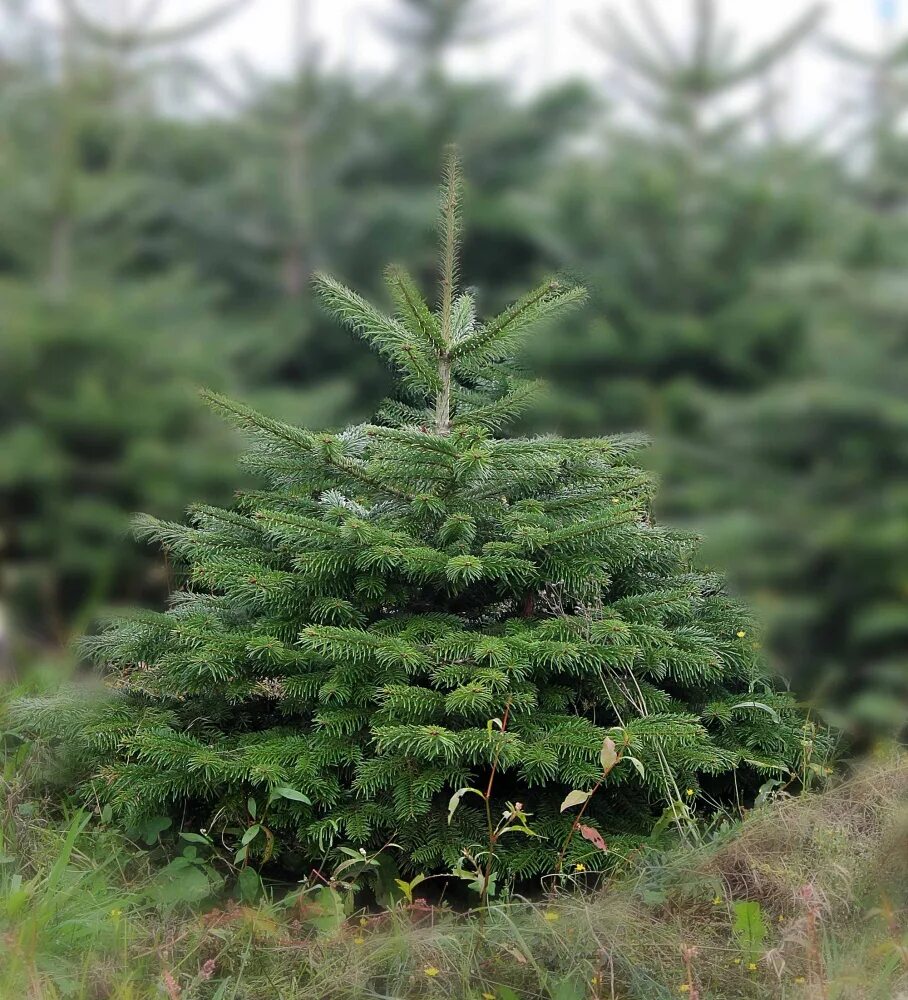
{"points": [[805, 898]]}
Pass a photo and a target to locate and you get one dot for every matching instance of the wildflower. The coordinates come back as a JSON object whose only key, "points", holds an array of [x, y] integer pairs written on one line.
{"points": [[737, 961], [430, 971], [594, 981], [690, 792], [780, 919], [684, 988], [488, 996], [717, 900], [116, 914], [359, 939], [207, 970], [751, 966], [741, 633], [800, 979], [363, 922], [551, 916], [580, 867]]}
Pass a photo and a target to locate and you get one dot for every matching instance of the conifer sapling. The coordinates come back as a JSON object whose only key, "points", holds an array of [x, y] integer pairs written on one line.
{"points": [[412, 607]]}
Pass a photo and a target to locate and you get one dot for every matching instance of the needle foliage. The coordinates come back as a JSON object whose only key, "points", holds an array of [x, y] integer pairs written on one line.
{"points": [[412, 605]]}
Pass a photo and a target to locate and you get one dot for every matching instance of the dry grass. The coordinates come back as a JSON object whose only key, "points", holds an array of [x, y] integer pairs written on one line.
{"points": [[829, 872]]}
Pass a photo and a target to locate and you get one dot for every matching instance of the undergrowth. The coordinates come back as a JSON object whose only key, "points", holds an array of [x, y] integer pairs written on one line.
{"points": [[802, 898]]}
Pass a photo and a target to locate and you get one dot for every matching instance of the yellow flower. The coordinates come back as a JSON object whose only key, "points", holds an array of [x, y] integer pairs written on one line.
{"points": [[717, 900], [594, 981], [363, 922], [780, 919], [800, 979], [580, 867], [551, 916], [751, 966], [684, 988], [488, 996], [430, 971], [737, 961], [359, 940], [741, 633], [690, 792]]}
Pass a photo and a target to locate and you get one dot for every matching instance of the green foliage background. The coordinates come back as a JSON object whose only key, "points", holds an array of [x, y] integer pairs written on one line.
{"points": [[747, 296]]}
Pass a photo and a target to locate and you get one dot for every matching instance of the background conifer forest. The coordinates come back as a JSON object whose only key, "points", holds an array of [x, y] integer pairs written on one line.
{"points": [[160, 219], [453, 501]]}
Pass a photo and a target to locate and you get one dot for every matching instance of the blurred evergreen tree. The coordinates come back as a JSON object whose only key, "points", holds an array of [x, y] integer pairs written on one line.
{"points": [[340, 174], [701, 208], [97, 364], [822, 457], [109, 195], [752, 311], [429, 29]]}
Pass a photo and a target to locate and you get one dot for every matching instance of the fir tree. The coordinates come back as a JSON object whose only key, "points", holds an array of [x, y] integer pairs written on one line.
{"points": [[98, 357], [703, 210], [410, 606], [830, 573]]}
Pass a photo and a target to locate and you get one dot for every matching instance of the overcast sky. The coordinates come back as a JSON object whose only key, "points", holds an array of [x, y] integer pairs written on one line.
{"points": [[545, 43]]}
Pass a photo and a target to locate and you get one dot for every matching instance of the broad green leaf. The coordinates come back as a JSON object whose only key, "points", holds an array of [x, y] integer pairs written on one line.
{"points": [[749, 928], [185, 884], [457, 796], [407, 887], [761, 705], [330, 914], [249, 885], [351, 853], [151, 829], [251, 833], [283, 792], [569, 989], [638, 764], [195, 838]]}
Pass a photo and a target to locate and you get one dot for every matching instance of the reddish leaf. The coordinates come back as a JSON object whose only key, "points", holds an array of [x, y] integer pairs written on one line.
{"points": [[593, 836]]}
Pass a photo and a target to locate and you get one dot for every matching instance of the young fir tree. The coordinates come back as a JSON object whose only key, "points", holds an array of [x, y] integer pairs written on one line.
{"points": [[347, 633]]}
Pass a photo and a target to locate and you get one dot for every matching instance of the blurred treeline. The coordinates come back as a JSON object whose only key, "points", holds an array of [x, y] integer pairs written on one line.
{"points": [[748, 306]]}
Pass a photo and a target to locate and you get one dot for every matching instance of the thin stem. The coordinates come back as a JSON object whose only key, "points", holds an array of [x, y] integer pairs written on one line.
{"points": [[483, 898], [450, 231], [576, 825], [443, 401]]}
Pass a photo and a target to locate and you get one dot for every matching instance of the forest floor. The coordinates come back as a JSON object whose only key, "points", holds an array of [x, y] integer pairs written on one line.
{"points": [[803, 898]]}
